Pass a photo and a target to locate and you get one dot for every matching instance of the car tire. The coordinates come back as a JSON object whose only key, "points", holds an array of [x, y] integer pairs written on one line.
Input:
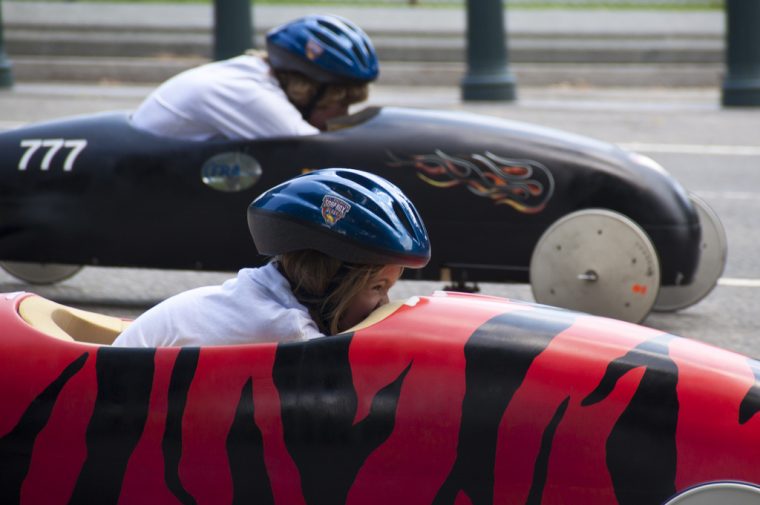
{"points": [[712, 262], [40, 273], [596, 261], [722, 493]]}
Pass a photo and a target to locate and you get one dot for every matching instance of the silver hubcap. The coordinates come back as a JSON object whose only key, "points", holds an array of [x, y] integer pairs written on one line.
{"points": [[596, 261]]}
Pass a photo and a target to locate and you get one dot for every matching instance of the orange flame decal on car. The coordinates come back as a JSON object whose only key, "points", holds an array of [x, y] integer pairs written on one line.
{"points": [[525, 185]]}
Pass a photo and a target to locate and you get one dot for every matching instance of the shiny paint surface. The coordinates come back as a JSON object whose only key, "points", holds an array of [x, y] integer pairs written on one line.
{"points": [[486, 188], [454, 399]]}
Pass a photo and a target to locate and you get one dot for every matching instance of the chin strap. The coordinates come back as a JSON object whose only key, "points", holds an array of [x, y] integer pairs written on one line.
{"points": [[318, 309], [307, 109]]}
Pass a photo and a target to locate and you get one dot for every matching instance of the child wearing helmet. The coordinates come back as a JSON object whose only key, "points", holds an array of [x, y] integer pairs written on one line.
{"points": [[314, 68], [339, 239]]}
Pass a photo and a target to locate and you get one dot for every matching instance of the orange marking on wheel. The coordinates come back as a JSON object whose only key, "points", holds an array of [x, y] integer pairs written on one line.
{"points": [[639, 289]]}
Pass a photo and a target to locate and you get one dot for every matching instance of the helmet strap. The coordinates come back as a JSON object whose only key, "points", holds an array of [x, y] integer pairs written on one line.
{"points": [[326, 309], [306, 110], [318, 309]]}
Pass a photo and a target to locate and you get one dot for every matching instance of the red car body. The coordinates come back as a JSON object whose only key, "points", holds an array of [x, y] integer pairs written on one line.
{"points": [[449, 399]]}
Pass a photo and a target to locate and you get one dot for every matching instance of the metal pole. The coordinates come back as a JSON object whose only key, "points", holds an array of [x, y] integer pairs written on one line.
{"points": [[488, 75], [233, 28], [6, 76], [741, 86]]}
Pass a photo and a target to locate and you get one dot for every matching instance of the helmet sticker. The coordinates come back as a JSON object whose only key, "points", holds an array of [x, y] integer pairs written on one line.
{"points": [[313, 49], [334, 209]]}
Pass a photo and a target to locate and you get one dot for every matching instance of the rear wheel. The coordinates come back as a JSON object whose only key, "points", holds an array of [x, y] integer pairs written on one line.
{"points": [[40, 273], [721, 493], [596, 261], [712, 260]]}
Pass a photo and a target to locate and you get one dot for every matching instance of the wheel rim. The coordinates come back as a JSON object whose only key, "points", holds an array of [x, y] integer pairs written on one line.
{"points": [[40, 273], [596, 261], [723, 493], [712, 262]]}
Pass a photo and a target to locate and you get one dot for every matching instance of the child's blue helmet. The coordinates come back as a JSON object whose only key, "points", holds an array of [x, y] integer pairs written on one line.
{"points": [[354, 216], [326, 48]]}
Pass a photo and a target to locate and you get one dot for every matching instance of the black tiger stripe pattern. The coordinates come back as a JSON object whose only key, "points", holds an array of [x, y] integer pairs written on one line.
{"points": [[494, 372], [16, 447], [319, 403], [751, 402], [245, 450], [125, 381], [641, 450], [183, 374]]}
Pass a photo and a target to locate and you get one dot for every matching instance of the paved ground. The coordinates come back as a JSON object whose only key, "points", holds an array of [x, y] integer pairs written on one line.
{"points": [[712, 151]]}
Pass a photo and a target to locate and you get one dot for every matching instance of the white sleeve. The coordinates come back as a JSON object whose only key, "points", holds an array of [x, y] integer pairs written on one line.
{"points": [[172, 322], [148, 330], [262, 115], [236, 99]]}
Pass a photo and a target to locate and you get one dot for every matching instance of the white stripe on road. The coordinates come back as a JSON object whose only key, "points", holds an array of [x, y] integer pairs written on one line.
{"points": [[7, 125], [739, 283], [709, 194], [692, 149]]}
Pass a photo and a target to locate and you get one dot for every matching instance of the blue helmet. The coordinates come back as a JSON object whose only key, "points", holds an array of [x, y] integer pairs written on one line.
{"points": [[354, 216], [328, 49]]}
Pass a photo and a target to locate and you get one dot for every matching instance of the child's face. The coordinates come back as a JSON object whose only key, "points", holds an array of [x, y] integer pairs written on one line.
{"points": [[321, 115], [371, 297]]}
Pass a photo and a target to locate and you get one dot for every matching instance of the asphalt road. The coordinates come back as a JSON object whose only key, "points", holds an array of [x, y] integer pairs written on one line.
{"points": [[713, 152]]}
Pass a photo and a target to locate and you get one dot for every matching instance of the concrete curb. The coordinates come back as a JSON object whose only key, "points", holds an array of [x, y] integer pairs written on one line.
{"points": [[154, 71], [409, 20], [147, 43]]}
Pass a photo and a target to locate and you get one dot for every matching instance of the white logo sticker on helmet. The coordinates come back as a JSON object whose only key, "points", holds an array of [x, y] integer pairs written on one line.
{"points": [[334, 209]]}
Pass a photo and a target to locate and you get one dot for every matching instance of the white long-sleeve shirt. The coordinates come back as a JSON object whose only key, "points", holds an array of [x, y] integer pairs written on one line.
{"points": [[237, 98], [256, 306]]}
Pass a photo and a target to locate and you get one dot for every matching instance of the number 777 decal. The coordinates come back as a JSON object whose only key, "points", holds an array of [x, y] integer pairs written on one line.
{"points": [[76, 146]]}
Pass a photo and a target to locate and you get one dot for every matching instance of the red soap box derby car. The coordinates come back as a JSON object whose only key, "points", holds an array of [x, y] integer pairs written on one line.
{"points": [[449, 399], [592, 227]]}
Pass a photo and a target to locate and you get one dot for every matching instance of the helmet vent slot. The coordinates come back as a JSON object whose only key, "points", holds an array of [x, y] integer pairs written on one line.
{"points": [[324, 39], [329, 26], [358, 178], [401, 215], [359, 55]]}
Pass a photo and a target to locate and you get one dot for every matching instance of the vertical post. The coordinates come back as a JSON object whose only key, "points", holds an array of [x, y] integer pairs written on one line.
{"points": [[488, 75], [741, 86], [233, 28], [6, 77]]}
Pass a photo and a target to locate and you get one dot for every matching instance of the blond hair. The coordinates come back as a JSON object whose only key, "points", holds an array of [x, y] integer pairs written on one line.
{"points": [[325, 285], [300, 89]]}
